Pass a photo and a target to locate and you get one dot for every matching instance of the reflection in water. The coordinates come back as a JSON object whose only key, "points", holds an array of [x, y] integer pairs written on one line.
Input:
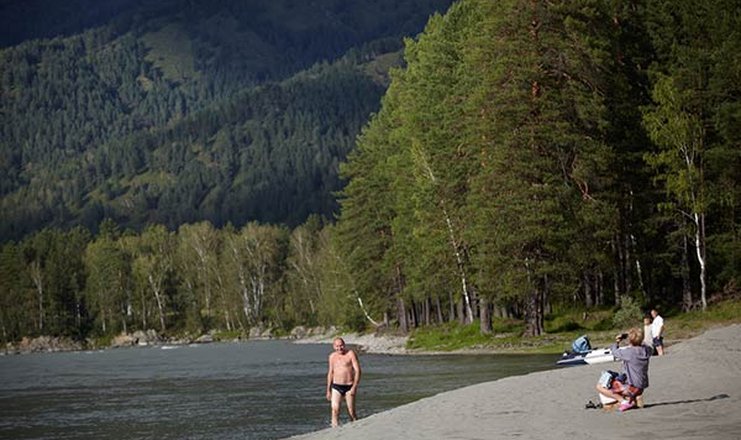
{"points": [[255, 390]]}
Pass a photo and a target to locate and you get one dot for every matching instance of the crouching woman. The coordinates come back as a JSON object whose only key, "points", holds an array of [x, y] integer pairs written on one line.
{"points": [[635, 358]]}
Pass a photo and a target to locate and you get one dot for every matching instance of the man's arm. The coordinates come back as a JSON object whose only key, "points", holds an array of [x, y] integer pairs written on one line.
{"points": [[356, 376], [330, 373]]}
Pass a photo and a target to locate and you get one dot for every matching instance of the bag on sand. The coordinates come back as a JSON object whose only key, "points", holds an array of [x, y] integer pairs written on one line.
{"points": [[606, 378]]}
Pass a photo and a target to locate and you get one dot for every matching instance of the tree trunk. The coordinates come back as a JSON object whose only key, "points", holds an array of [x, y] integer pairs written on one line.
{"points": [[158, 298], [534, 314], [244, 293], [123, 321], [402, 313], [468, 318], [588, 303], [144, 309], [451, 304], [410, 315], [485, 316], [616, 272], [454, 243], [685, 269], [639, 271], [439, 309], [700, 250], [365, 311], [627, 271]]}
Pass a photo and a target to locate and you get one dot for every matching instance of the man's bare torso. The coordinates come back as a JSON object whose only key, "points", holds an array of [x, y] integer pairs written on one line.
{"points": [[342, 368]]}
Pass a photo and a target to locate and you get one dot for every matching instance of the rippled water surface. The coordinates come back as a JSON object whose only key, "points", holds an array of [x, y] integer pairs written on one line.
{"points": [[254, 390]]}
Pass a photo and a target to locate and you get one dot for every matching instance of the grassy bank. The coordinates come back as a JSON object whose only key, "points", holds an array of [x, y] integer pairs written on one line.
{"points": [[562, 328]]}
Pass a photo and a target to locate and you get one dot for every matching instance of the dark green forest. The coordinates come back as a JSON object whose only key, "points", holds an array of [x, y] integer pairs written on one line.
{"points": [[188, 169], [181, 111]]}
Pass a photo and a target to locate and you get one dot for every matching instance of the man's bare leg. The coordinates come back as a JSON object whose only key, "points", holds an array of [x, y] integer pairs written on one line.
{"points": [[336, 401], [350, 401]]}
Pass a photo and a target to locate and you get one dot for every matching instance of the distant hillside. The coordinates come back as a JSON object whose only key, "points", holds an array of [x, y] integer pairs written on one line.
{"points": [[177, 111]]}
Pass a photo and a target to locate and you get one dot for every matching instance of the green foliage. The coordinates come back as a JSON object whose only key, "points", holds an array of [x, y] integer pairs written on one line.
{"points": [[564, 326], [577, 320], [628, 315], [724, 312], [226, 336], [454, 336], [447, 337]]}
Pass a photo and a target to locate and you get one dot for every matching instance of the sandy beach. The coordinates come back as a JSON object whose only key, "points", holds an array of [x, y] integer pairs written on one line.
{"points": [[694, 393]]}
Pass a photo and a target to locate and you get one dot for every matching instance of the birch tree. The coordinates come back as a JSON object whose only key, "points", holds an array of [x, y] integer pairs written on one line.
{"points": [[198, 265], [153, 266], [303, 271], [256, 253], [680, 136]]}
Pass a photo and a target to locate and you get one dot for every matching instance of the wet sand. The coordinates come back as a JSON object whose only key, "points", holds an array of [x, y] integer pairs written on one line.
{"points": [[694, 393]]}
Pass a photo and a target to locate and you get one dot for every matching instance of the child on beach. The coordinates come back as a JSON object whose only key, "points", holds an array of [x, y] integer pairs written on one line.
{"points": [[648, 339], [635, 365]]}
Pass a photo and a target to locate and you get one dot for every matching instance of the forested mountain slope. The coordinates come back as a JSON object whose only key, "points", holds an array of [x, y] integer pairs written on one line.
{"points": [[179, 111], [528, 158]]}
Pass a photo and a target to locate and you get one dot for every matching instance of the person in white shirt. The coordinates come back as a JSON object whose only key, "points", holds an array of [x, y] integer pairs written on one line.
{"points": [[657, 331]]}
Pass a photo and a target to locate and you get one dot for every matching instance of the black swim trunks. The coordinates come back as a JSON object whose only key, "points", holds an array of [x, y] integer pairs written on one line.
{"points": [[342, 389]]}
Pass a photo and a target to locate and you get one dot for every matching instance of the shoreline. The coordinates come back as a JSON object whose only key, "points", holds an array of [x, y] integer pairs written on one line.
{"points": [[694, 393], [368, 343]]}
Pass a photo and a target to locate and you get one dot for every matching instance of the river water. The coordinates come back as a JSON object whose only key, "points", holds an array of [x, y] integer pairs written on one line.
{"points": [[253, 390]]}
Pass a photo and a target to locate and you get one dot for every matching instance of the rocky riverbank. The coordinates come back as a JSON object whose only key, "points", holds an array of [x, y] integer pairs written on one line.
{"points": [[368, 343], [43, 344]]}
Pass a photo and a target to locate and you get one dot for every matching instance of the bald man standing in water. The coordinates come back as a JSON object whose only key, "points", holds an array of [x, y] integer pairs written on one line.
{"points": [[342, 380]]}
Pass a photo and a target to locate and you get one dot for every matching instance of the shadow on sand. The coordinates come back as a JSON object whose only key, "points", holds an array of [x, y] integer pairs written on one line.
{"points": [[678, 402]]}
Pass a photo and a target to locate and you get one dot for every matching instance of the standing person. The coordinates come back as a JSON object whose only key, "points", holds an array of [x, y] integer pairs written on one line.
{"points": [[657, 331], [648, 339], [635, 366], [342, 380]]}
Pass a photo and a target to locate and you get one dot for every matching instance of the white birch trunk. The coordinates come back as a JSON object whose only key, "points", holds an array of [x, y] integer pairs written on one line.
{"points": [[700, 250], [158, 298], [698, 218], [244, 293], [453, 242], [258, 290], [365, 312], [639, 272], [461, 269]]}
